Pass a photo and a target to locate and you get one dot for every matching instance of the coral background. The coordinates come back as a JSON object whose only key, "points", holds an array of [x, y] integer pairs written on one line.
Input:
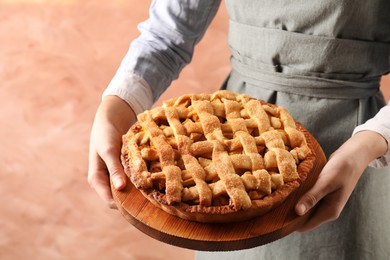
{"points": [[56, 58]]}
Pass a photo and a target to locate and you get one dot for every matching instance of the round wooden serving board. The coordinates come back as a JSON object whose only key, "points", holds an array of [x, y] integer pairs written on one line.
{"points": [[216, 237]]}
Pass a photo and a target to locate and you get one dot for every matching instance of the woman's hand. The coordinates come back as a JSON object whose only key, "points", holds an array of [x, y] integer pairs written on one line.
{"points": [[113, 118], [339, 178]]}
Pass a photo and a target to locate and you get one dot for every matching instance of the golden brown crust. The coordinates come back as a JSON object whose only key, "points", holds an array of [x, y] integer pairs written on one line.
{"points": [[174, 151]]}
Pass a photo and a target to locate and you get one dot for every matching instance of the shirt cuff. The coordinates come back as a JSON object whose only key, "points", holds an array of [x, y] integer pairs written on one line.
{"points": [[131, 88], [381, 125]]}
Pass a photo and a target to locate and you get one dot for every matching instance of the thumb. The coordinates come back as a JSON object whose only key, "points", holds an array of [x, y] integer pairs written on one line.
{"points": [[307, 202], [115, 170], [313, 196]]}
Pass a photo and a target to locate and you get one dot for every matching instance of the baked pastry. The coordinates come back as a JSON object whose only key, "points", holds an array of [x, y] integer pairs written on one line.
{"points": [[220, 157]]}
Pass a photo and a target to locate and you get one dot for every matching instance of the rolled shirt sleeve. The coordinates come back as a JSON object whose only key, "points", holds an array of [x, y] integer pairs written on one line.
{"points": [[380, 124], [162, 50]]}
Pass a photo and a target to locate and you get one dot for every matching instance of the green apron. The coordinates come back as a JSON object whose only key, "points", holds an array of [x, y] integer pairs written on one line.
{"points": [[322, 60]]}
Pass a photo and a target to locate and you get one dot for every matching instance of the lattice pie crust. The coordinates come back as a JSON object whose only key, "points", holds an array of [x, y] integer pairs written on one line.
{"points": [[218, 157]]}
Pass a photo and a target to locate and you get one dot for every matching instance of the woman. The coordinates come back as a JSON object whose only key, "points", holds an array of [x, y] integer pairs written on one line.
{"points": [[322, 61]]}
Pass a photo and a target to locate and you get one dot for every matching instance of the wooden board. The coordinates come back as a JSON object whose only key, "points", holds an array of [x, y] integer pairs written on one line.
{"points": [[215, 237]]}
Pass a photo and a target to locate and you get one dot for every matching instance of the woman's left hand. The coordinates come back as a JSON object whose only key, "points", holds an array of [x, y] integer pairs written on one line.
{"points": [[339, 177]]}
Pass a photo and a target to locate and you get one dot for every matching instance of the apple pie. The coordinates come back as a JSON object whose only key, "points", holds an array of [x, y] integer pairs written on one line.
{"points": [[220, 157]]}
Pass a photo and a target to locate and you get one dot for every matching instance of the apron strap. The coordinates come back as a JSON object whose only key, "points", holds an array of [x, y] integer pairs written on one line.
{"points": [[310, 65], [306, 85]]}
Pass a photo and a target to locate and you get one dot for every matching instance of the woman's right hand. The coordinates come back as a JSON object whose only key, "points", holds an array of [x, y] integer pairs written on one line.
{"points": [[113, 119]]}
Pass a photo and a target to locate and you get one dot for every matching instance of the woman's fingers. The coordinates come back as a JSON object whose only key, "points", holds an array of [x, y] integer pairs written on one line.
{"points": [[106, 164], [334, 186], [114, 167], [323, 186], [326, 193], [327, 210], [98, 179]]}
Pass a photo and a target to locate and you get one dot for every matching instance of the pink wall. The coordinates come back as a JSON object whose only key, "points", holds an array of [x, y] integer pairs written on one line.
{"points": [[385, 86]]}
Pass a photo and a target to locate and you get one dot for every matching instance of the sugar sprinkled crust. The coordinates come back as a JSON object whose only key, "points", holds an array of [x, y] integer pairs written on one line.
{"points": [[218, 157]]}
